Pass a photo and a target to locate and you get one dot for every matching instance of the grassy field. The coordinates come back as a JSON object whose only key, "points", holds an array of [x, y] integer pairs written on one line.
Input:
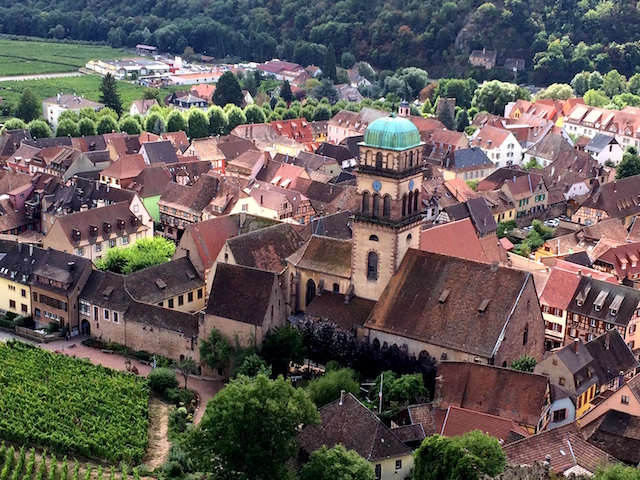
{"points": [[27, 58], [87, 85]]}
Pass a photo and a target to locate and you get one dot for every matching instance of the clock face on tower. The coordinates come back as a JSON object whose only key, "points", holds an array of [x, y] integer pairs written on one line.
{"points": [[376, 186]]}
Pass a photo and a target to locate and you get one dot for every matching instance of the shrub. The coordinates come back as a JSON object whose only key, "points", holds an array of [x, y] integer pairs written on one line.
{"points": [[178, 396], [161, 379], [173, 469]]}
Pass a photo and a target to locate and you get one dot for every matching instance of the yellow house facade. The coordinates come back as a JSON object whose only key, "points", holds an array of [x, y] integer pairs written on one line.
{"points": [[15, 297]]}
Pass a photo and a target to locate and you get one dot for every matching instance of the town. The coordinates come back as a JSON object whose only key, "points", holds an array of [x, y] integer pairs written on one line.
{"points": [[442, 279]]}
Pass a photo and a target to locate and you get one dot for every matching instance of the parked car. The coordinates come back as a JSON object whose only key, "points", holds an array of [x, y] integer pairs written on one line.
{"points": [[552, 222]]}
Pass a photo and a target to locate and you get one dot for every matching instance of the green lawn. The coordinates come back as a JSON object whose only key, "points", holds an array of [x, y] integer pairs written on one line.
{"points": [[87, 85], [26, 58]]}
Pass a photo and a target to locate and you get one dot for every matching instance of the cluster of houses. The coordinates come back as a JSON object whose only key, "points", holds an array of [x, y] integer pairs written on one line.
{"points": [[368, 221]]}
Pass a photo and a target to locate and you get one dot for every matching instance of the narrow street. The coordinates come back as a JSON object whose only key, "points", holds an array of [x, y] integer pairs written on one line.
{"points": [[206, 388]]}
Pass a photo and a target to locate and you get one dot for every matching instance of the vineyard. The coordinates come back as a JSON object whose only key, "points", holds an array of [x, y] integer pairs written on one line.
{"points": [[69, 405], [30, 465]]}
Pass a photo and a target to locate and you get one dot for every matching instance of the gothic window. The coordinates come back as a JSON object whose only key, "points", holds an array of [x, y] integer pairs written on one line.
{"points": [[411, 159], [410, 206], [365, 202], [415, 201], [404, 204], [386, 208], [376, 205], [525, 335], [378, 161], [372, 266]]}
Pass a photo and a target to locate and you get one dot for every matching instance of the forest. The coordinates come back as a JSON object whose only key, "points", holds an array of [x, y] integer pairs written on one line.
{"points": [[557, 38]]}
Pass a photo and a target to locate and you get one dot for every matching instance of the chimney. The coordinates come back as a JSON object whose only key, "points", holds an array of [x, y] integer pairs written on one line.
{"points": [[614, 186], [71, 266], [341, 397], [575, 345], [260, 199], [31, 250], [579, 273], [19, 247], [606, 339]]}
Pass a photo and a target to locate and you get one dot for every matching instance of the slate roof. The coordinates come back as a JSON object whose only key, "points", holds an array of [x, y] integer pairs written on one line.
{"points": [[498, 177], [618, 198], [331, 307], [475, 387], [267, 248], [337, 225], [617, 433], [481, 215], [166, 280], [20, 262], [106, 289], [550, 147], [192, 199], [410, 304], [10, 141], [337, 152], [459, 421], [599, 142], [465, 159], [562, 444], [324, 255], [589, 289], [240, 293], [160, 152], [354, 426], [611, 355], [580, 364], [10, 218], [54, 265]]}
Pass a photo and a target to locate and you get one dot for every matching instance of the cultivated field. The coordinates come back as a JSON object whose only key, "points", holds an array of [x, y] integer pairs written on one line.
{"points": [[70, 405], [19, 57]]}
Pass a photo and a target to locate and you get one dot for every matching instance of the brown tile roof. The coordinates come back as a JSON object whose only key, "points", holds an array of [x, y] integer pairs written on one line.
{"points": [[331, 307], [167, 280], [210, 236], [233, 146], [267, 248], [410, 304], [151, 181], [324, 255], [10, 218], [84, 222], [297, 129], [10, 141], [424, 415], [459, 421], [127, 166], [493, 390], [192, 199], [179, 140], [460, 189], [458, 239], [206, 149], [240, 293], [144, 105], [409, 433], [523, 186], [246, 160], [12, 180], [617, 433], [489, 137], [352, 425], [448, 137], [618, 198], [499, 177], [624, 255], [563, 444], [274, 197]]}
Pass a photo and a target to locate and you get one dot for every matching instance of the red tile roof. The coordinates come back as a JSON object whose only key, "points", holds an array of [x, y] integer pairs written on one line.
{"points": [[459, 421], [127, 167], [489, 137], [298, 129], [457, 239]]}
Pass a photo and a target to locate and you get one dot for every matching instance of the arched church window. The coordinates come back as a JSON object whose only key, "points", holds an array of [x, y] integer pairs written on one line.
{"points": [[386, 207], [378, 161], [410, 205], [404, 204], [365, 202], [415, 201], [372, 266], [376, 205]]}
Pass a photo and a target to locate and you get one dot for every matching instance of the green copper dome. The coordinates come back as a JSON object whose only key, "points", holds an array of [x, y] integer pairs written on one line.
{"points": [[392, 133]]}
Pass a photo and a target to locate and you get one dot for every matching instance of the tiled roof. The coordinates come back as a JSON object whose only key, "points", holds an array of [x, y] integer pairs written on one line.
{"points": [[617, 433], [562, 444], [160, 152], [466, 159], [424, 415], [325, 255], [352, 425], [493, 390], [297, 129], [624, 259], [599, 142], [151, 181], [10, 218], [459, 421], [337, 225], [144, 105], [166, 280], [550, 147], [240, 293], [192, 199], [481, 215], [409, 433], [618, 198], [106, 289], [267, 248], [489, 137], [411, 302], [499, 177], [127, 166], [625, 301], [20, 262], [456, 238], [331, 307], [448, 137], [611, 355]]}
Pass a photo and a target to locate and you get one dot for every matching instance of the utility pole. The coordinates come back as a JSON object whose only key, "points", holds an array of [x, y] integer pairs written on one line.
{"points": [[380, 394]]}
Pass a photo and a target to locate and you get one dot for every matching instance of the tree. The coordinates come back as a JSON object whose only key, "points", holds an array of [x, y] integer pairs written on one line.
{"points": [[285, 92], [88, 112], [595, 81], [283, 346], [253, 365], [249, 428], [67, 128], [531, 164], [408, 389], [327, 90], [329, 70], [630, 164], [218, 120], [426, 108], [187, 367], [144, 253], [152, 94], [216, 351], [327, 388], [29, 107], [347, 60], [155, 124], [198, 124], [176, 122], [106, 124], [468, 457], [188, 53], [494, 95], [160, 379], [633, 85], [87, 127], [617, 471], [446, 115], [613, 83], [462, 120], [254, 114], [580, 83], [228, 90], [39, 129], [109, 96], [108, 112], [337, 463], [130, 126], [13, 124], [596, 98], [235, 117], [560, 91], [524, 364]]}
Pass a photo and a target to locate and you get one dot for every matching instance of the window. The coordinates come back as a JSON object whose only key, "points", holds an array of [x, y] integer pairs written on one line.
{"points": [[161, 304], [365, 202], [559, 415], [116, 317], [376, 205], [95, 313], [631, 344], [378, 160], [125, 240], [386, 208], [112, 243], [594, 323], [24, 292], [12, 304], [336, 288], [200, 293], [398, 464], [12, 288], [98, 247], [106, 314], [180, 300], [624, 400], [23, 308], [244, 207], [373, 238], [561, 381], [190, 296], [136, 208], [372, 266], [36, 312], [84, 307], [632, 328], [378, 466], [171, 303], [80, 251]]}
